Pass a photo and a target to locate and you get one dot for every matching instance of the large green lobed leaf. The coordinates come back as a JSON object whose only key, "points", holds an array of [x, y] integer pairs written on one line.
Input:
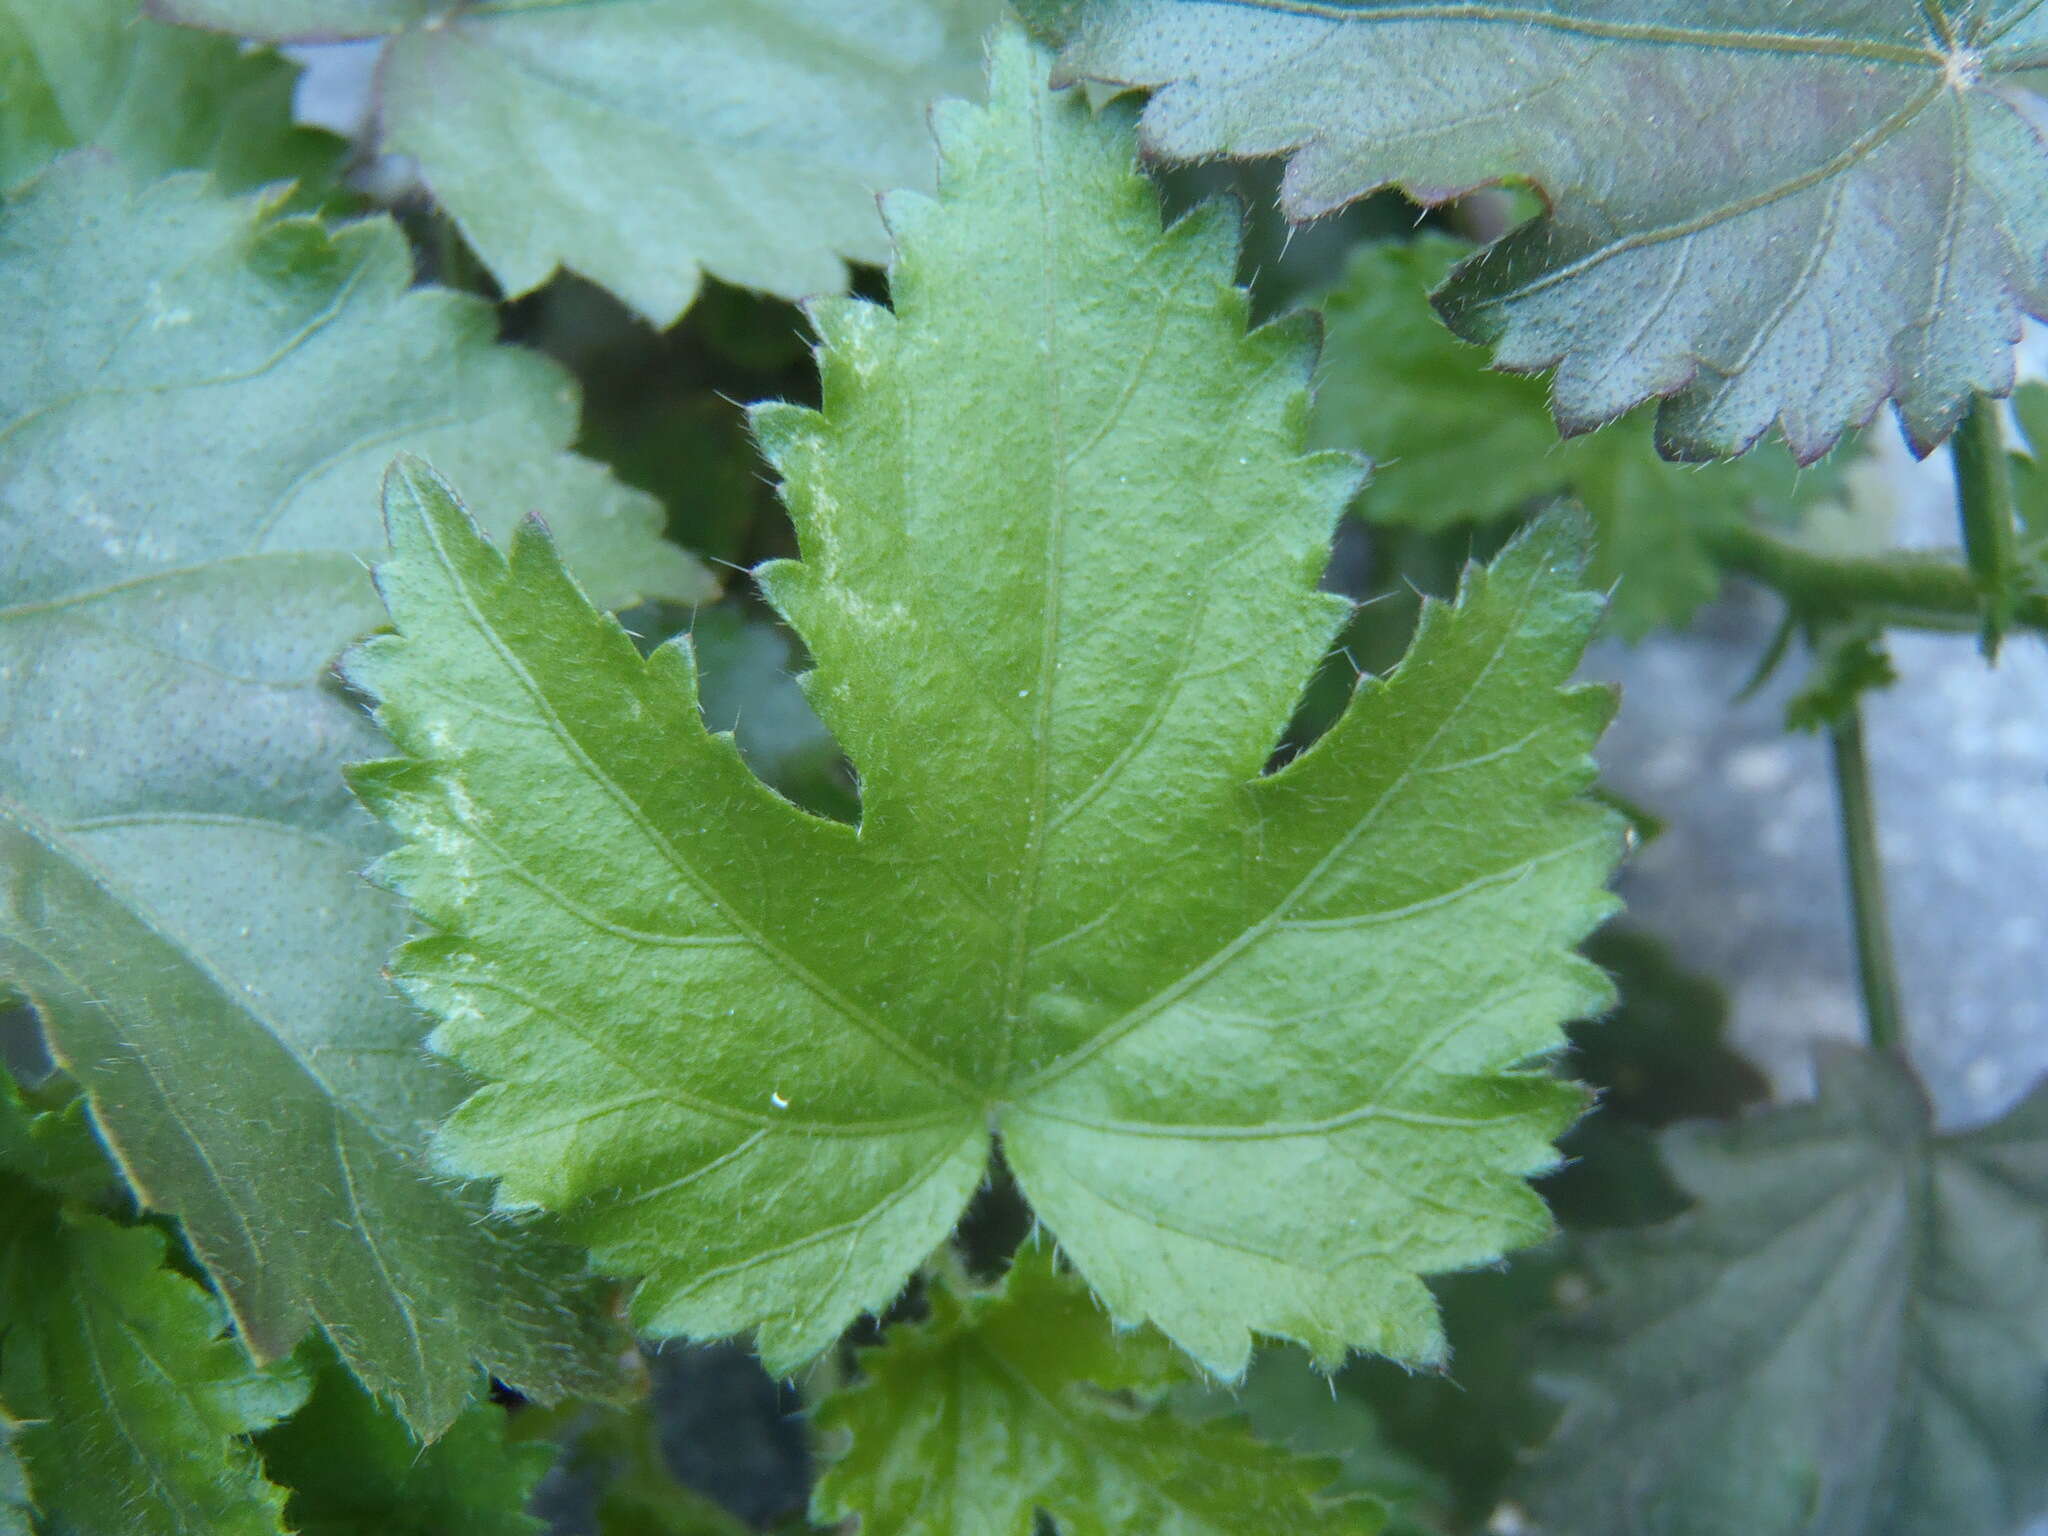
{"points": [[1846, 1336], [1060, 554], [1761, 213], [197, 400], [642, 143], [1026, 1400]]}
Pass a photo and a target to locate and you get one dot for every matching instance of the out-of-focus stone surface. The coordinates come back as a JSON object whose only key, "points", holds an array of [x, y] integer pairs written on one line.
{"points": [[336, 83], [1746, 882]]}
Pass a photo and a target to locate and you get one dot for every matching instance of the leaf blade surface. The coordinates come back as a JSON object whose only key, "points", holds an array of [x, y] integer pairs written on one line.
{"points": [[1835, 205]]}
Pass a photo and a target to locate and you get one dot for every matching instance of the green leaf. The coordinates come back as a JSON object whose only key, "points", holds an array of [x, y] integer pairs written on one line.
{"points": [[643, 143], [54, 1148], [162, 98], [1847, 663], [352, 1468], [1027, 1399], [2030, 480], [196, 400], [1423, 405], [1761, 213], [1059, 581], [134, 1399], [1846, 1336]]}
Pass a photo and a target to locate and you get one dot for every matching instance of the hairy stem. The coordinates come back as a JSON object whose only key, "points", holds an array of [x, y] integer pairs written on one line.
{"points": [[1874, 967], [1984, 497], [1909, 589]]}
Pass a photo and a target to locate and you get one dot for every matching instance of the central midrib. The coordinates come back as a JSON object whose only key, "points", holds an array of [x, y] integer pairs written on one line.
{"points": [[1054, 570]]}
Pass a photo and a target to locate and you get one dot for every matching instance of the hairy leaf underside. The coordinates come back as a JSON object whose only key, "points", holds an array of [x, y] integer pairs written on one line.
{"points": [[197, 400], [1253, 1045], [1843, 1337], [1822, 206]]}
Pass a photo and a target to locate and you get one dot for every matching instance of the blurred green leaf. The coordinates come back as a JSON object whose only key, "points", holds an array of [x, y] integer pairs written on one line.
{"points": [[1660, 1056], [1469, 1425], [1848, 662], [1453, 441], [53, 1148], [746, 665], [350, 1467], [197, 401], [643, 143], [618, 1452], [162, 98], [1847, 1334], [16, 1505], [1285, 1400], [1009, 1403], [2030, 480]]}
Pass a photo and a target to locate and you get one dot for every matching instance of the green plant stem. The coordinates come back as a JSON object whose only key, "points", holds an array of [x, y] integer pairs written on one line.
{"points": [[1984, 498], [1906, 590], [1874, 967]]}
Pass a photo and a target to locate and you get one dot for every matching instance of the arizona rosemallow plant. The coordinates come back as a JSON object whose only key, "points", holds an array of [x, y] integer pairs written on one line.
{"points": [[1075, 923]]}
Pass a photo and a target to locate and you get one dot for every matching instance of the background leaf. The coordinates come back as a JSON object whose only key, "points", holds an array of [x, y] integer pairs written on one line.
{"points": [[1425, 408], [197, 401], [2030, 481], [746, 679], [641, 142], [352, 1468], [134, 1400], [1008, 1404], [1286, 1401], [1846, 1336], [162, 98], [1830, 205], [618, 1455], [1060, 551]]}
